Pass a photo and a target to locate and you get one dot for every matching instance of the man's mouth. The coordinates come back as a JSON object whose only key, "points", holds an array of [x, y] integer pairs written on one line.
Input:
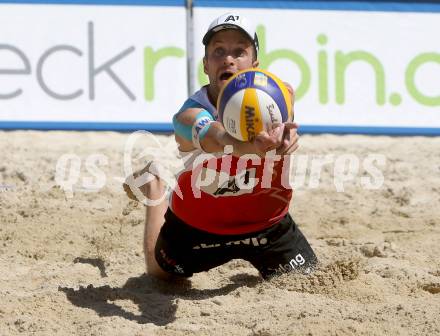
{"points": [[226, 75]]}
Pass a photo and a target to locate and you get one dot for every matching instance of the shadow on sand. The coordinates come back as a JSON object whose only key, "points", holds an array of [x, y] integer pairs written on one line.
{"points": [[155, 299]]}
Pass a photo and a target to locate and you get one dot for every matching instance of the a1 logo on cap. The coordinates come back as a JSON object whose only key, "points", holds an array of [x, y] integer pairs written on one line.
{"points": [[231, 21], [232, 18]]}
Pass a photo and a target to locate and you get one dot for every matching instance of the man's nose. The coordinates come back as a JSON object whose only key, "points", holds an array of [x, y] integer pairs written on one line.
{"points": [[229, 60]]}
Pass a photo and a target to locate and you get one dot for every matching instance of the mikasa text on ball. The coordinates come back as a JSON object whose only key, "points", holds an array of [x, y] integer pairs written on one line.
{"points": [[252, 101]]}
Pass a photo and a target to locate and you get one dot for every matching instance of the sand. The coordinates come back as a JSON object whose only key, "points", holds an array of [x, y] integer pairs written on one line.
{"points": [[71, 262]]}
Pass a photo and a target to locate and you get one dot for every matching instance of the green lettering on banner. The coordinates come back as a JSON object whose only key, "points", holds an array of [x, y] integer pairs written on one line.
{"points": [[151, 59], [322, 71], [341, 63], [268, 58], [410, 74]]}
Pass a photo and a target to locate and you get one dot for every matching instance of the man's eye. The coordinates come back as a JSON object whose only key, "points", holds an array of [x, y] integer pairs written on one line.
{"points": [[240, 52], [219, 52]]}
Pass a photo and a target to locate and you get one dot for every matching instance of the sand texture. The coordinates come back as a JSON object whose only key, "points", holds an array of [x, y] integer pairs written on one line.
{"points": [[71, 262]]}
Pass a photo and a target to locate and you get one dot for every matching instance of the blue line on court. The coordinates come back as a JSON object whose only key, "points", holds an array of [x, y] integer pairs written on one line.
{"points": [[86, 126], [168, 128], [374, 6], [368, 130]]}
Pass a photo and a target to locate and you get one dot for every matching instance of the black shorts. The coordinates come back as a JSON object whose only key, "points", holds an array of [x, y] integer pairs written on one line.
{"points": [[183, 250]]}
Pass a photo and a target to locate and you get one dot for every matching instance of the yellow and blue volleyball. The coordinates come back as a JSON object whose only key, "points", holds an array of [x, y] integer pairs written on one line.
{"points": [[252, 101]]}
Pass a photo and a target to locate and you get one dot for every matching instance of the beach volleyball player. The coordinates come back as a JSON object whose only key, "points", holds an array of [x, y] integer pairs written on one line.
{"points": [[204, 226]]}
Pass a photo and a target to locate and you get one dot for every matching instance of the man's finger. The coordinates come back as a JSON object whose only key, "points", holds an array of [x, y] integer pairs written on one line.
{"points": [[291, 125]]}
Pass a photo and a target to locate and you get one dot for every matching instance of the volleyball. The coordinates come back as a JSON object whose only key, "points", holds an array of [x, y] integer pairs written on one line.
{"points": [[252, 101]]}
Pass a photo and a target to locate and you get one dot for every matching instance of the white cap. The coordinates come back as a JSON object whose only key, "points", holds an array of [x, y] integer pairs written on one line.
{"points": [[232, 21]]}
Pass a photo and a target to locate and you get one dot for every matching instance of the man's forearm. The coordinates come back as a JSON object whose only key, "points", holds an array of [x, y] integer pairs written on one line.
{"points": [[217, 138]]}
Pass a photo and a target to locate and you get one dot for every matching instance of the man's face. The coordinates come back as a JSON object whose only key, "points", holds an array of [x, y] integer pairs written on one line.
{"points": [[228, 52]]}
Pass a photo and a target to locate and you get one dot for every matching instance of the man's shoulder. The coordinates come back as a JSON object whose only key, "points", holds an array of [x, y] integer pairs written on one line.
{"points": [[194, 101], [190, 104], [199, 100]]}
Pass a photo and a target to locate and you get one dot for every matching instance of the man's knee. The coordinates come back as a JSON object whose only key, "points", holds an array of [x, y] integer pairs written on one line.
{"points": [[153, 268]]}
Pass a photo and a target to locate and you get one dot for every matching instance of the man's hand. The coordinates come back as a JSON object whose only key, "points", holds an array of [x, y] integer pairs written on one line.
{"points": [[290, 139], [282, 137]]}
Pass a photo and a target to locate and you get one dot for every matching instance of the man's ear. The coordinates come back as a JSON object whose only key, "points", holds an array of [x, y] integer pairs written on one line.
{"points": [[255, 63], [205, 69]]}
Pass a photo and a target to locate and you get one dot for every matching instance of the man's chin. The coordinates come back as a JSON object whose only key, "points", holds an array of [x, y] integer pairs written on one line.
{"points": [[221, 83]]}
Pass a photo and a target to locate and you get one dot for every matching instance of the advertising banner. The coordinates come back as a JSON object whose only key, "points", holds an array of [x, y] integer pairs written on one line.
{"points": [[353, 71], [356, 67], [91, 66]]}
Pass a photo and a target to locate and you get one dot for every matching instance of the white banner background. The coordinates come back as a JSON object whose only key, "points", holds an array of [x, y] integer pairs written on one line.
{"points": [[34, 29]]}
